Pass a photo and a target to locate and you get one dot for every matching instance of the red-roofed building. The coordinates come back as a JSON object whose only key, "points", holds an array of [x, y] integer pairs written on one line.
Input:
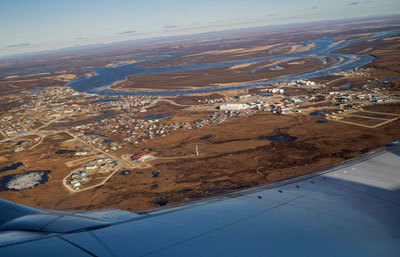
{"points": [[141, 157]]}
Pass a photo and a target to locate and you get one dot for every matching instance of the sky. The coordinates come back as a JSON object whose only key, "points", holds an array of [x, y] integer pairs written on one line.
{"points": [[39, 25]]}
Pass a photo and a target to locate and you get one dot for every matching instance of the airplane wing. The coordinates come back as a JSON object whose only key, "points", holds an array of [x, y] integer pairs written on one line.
{"points": [[351, 209]]}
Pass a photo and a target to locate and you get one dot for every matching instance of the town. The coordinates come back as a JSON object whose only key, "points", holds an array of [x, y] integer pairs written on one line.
{"points": [[104, 125]]}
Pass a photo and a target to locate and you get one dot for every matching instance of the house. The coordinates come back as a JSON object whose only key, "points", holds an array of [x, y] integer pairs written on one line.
{"points": [[75, 175], [79, 176], [90, 166], [295, 100], [76, 184]]}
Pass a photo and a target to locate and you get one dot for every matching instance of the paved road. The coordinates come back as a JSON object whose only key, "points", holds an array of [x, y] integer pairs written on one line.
{"points": [[65, 183], [173, 103], [121, 161]]}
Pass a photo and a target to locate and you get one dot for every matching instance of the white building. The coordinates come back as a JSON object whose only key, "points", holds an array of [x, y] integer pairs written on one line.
{"points": [[295, 100], [233, 107], [306, 83], [90, 166], [276, 91]]}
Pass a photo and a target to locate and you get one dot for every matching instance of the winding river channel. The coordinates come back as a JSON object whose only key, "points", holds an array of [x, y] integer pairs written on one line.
{"points": [[323, 48]]}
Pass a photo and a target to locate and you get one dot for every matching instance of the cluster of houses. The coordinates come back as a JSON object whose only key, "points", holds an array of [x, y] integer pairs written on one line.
{"points": [[97, 140], [343, 97], [63, 102], [12, 127], [145, 130], [305, 82], [212, 101], [271, 91], [101, 165], [77, 178]]}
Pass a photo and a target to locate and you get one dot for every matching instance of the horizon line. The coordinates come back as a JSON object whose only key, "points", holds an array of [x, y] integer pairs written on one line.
{"points": [[106, 44]]}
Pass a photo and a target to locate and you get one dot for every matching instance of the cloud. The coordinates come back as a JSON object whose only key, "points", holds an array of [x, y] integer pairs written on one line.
{"points": [[353, 3], [80, 38], [170, 27], [19, 45], [314, 7], [127, 32], [270, 15]]}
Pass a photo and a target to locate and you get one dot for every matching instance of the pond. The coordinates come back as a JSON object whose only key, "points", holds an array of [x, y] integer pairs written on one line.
{"points": [[156, 116], [16, 144], [391, 79], [92, 133], [13, 166], [319, 112], [18, 182], [341, 153], [206, 137], [346, 86], [125, 172], [63, 151], [161, 201], [280, 138]]}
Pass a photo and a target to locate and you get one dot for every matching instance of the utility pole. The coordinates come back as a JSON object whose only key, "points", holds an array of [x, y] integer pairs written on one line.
{"points": [[197, 150]]}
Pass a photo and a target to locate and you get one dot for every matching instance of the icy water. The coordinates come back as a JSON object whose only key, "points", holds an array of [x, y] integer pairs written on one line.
{"points": [[24, 72], [18, 182], [324, 47]]}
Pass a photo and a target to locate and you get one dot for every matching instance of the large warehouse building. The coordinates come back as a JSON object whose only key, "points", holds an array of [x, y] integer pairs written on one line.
{"points": [[233, 107]]}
